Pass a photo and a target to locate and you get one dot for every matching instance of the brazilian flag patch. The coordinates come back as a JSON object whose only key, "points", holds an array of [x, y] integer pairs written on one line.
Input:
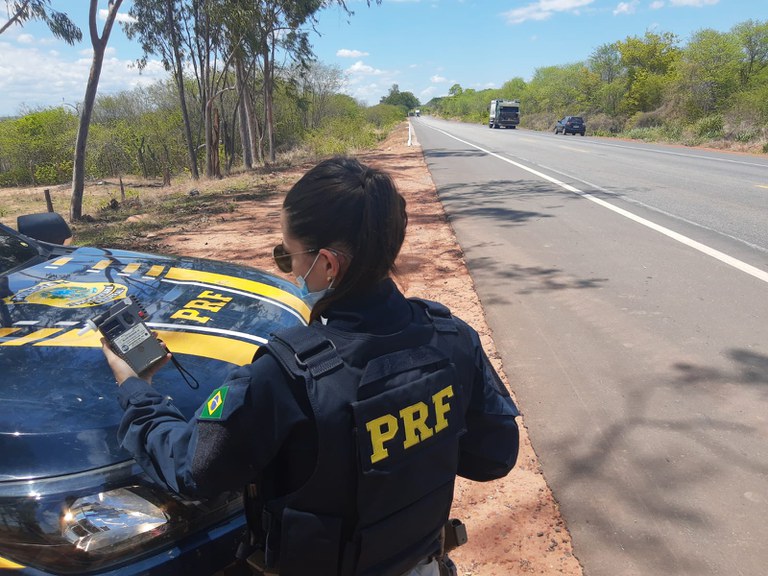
{"points": [[214, 406]]}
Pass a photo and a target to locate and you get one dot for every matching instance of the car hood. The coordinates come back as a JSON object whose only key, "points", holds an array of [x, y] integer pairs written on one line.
{"points": [[58, 407]]}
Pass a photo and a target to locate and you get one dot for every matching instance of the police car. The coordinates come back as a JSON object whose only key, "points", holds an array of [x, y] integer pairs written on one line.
{"points": [[71, 500]]}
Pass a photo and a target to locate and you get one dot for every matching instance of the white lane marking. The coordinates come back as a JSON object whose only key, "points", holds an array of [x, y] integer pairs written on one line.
{"points": [[26, 323], [658, 210], [703, 248], [603, 142], [188, 328], [682, 154]]}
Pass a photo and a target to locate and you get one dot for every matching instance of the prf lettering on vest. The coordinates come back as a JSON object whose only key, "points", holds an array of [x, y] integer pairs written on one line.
{"points": [[414, 419]]}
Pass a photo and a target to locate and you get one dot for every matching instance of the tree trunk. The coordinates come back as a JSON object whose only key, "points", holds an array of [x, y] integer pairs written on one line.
{"points": [[242, 90], [214, 155], [179, 74], [99, 46], [268, 80], [208, 125]]}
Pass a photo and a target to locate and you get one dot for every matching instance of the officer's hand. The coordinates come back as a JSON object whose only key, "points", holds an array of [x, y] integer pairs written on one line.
{"points": [[122, 370]]}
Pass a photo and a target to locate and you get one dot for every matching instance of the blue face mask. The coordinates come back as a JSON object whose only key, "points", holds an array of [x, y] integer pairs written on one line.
{"points": [[311, 298]]}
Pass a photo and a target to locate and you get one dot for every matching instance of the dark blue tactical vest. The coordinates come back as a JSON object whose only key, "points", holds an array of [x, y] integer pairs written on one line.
{"points": [[389, 411]]}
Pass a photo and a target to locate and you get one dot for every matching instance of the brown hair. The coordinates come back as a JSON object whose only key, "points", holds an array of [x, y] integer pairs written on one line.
{"points": [[344, 204]]}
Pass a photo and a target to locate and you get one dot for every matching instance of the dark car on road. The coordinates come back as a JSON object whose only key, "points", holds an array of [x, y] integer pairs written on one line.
{"points": [[571, 125], [72, 501]]}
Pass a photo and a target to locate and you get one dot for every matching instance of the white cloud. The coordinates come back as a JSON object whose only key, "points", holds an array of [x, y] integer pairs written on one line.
{"points": [[436, 79], [427, 93], [657, 5], [694, 3], [25, 39], [361, 67], [37, 79], [544, 9], [626, 8], [345, 53], [121, 16]]}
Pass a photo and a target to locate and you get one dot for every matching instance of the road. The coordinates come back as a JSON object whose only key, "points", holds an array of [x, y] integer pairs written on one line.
{"points": [[626, 285]]}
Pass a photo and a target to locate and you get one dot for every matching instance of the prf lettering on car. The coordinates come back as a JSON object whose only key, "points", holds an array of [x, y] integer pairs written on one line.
{"points": [[206, 301], [385, 429]]}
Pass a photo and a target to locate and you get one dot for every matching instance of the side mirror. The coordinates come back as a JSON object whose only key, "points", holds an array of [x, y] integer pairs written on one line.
{"points": [[47, 227]]}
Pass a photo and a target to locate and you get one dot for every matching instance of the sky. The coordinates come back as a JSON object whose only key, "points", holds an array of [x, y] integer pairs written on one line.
{"points": [[423, 46]]}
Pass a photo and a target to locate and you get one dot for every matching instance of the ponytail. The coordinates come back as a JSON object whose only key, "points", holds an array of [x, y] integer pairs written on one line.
{"points": [[343, 204]]}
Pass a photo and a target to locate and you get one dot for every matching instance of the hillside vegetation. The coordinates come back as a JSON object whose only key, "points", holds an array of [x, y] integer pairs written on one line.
{"points": [[712, 90]]}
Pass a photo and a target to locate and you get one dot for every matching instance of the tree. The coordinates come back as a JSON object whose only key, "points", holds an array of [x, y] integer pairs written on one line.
{"points": [[648, 62], [99, 44], [318, 86], [58, 23], [513, 89], [753, 37], [557, 90], [37, 148], [455, 90], [708, 72], [605, 61], [157, 25], [396, 98]]}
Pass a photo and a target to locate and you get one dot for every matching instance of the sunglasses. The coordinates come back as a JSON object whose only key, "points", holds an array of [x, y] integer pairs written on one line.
{"points": [[283, 258]]}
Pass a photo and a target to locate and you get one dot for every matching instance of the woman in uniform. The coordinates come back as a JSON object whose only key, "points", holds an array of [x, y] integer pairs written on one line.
{"points": [[349, 432]]}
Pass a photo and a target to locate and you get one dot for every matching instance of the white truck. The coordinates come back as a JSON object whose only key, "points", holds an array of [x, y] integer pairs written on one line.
{"points": [[504, 114]]}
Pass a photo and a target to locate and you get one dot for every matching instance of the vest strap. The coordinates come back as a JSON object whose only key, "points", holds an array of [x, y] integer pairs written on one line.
{"points": [[303, 349]]}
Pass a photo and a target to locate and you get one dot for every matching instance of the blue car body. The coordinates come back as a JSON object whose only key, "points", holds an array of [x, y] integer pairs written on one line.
{"points": [[72, 501]]}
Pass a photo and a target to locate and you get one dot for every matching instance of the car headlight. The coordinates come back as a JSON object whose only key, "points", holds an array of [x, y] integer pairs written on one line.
{"points": [[110, 518], [58, 525]]}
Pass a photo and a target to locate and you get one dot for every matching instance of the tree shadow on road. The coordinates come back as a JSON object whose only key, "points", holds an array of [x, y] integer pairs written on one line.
{"points": [[629, 512]]}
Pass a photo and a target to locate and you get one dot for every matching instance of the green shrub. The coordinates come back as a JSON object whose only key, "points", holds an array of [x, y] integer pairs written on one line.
{"points": [[646, 134], [16, 176], [53, 173], [746, 135], [651, 119], [343, 135], [709, 127], [384, 116], [602, 124]]}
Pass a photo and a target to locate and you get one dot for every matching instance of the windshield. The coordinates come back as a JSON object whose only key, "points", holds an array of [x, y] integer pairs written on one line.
{"points": [[14, 251], [510, 109]]}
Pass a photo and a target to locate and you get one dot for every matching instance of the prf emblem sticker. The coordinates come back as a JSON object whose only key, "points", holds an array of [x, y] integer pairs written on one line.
{"points": [[214, 406], [65, 294]]}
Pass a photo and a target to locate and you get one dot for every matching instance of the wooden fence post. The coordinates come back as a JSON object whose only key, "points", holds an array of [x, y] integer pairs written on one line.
{"points": [[48, 201]]}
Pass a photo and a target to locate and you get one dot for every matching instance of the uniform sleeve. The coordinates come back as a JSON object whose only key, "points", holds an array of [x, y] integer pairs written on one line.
{"points": [[489, 448], [216, 450]]}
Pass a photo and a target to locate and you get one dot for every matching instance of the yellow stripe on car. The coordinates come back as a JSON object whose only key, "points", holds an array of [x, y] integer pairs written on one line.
{"points": [[36, 335], [205, 345], [131, 268], [184, 274], [210, 346], [9, 565], [155, 270], [101, 265]]}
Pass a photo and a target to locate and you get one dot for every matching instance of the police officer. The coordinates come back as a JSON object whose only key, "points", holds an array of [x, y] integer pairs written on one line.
{"points": [[349, 432]]}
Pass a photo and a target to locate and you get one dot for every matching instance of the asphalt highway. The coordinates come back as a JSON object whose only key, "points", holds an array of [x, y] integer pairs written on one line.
{"points": [[626, 284]]}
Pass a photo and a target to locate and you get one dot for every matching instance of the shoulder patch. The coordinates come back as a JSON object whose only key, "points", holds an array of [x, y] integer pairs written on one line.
{"points": [[214, 406]]}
